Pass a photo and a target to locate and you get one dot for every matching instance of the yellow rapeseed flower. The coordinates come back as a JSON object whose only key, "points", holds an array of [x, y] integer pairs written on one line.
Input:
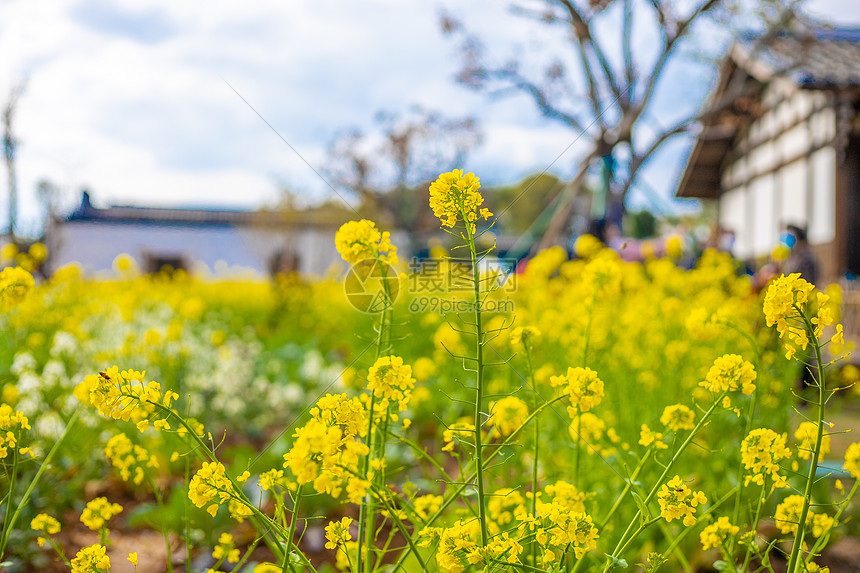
{"points": [[717, 534], [454, 198], [45, 523], [805, 435], [647, 437], [337, 533], [761, 452], [507, 414], [852, 460], [15, 285], [583, 386], [131, 460], [730, 373], [98, 512], [358, 241], [92, 559], [677, 501], [678, 417], [391, 381], [226, 549]]}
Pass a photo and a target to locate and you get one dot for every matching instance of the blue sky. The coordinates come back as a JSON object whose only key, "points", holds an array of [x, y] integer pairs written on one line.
{"points": [[126, 97]]}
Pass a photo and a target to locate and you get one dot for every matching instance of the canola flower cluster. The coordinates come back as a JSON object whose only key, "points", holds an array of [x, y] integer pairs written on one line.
{"points": [[507, 415], [677, 501], [15, 284], [761, 452], [12, 423], [99, 512], [533, 508], [391, 382], [454, 198], [787, 517], [46, 525], [125, 396], [784, 306], [361, 241], [326, 451], [583, 386], [717, 534], [131, 460], [210, 487]]}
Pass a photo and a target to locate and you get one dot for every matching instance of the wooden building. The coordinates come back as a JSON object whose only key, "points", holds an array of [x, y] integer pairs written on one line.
{"points": [[213, 241], [780, 145]]}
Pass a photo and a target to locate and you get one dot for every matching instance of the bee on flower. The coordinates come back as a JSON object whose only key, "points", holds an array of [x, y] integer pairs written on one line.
{"points": [[677, 501]]}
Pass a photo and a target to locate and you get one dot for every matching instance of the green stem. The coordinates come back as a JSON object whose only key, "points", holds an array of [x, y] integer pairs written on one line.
{"points": [[59, 552], [479, 387], [624, 541], [578, 450], [187, 517], [366, 514], [759, 505], [677, 541], [747, 427], [456, 493], [535, 484], [821, 542], [627, 487], [164, 531], [291, 531], [392, 512], [793, 561], [10, 524]]}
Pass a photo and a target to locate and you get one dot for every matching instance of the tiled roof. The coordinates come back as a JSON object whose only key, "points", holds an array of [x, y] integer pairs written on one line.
{"points": [[86, 212], [814, 58]]}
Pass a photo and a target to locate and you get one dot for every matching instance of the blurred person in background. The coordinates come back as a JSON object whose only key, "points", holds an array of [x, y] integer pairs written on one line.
{"points": [[801, 259]]}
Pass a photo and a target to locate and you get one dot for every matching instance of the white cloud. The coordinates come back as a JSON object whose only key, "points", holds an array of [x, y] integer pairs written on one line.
{"points": [[126, 96]]}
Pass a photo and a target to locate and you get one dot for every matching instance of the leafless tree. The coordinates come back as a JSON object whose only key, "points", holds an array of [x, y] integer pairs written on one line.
{"points": [[386, 166], [9, 145], [598, 85]]}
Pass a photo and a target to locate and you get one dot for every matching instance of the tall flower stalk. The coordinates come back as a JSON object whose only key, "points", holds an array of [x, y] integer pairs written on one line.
{"points": [[362, 245], [455, 200], [785, 306]]}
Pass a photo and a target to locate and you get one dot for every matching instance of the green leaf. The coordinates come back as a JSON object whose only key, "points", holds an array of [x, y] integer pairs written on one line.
{"points": [[622, 563], [643, 509], [720, 565]]}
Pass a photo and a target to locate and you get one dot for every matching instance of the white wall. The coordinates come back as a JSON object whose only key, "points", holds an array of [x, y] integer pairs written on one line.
{"points": [[761, 197], [95, 245], [822, 219]]}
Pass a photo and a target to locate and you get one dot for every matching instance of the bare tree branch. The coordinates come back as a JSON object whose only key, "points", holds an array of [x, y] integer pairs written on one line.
{"points": [[583, 34]]}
